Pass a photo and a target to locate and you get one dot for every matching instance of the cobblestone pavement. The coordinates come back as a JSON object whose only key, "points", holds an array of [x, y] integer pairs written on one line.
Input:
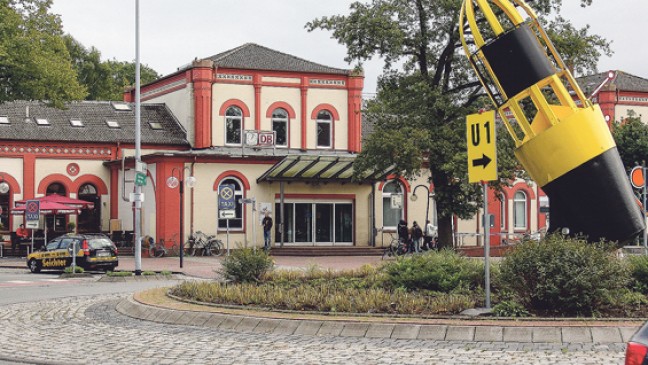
{"points": [[88, 330]]}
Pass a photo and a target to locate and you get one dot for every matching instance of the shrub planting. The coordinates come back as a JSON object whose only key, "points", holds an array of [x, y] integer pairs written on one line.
{"points": [[442, 271], [563, 276], [246, 265]]}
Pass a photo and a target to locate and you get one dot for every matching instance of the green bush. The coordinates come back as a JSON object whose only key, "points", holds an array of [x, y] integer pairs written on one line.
{"points": [[563, 276], [638, 266], [510, 309], [442, 271], [246, 265]]}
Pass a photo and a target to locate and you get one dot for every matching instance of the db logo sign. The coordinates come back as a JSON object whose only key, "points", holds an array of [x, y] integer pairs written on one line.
{"points": [[266, 139]]}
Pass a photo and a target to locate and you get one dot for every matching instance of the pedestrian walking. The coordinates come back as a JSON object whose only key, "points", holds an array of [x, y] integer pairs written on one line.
{"points": [[267, 228], [431, 234], [417, 236], [403, 234]]}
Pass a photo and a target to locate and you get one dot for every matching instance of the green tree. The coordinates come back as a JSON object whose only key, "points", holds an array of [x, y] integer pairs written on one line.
{"points": [[426, 91], [34, 62], [105, 80], [631, 136]]}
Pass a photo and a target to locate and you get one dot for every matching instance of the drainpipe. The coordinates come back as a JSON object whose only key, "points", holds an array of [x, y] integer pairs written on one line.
{"points": [[191, 203]]}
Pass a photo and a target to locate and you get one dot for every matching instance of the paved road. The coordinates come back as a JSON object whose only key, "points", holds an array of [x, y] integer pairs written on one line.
{"points": [[41, 333]]}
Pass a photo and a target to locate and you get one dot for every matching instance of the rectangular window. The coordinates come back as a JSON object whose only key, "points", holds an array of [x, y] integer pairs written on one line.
{"points": [[279, 127], [391, 216], [4, 119], [233, 131], [343, 222]]}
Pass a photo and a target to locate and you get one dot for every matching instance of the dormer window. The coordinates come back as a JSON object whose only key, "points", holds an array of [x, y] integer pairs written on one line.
{"points": [[42, 121], [155, 125], [4, 119], [112, 123], [76, 122]]}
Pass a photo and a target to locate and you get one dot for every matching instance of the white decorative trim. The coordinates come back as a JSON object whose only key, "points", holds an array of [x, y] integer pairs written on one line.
{"points": [[164, 88], [50, 150], [633, 99], [234, 77], [327, 82]]}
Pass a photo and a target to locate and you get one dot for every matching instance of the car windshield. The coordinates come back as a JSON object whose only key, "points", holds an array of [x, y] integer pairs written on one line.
{"points": [[97, 243]]}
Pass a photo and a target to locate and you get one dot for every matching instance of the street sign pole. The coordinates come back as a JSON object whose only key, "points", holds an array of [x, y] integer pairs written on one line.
{"points": [[482, 167], [487, 247]]}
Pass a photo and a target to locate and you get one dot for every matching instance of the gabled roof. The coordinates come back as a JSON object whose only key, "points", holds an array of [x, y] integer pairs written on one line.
{"points": [[90, 123], [621, 81], [255, 57]]}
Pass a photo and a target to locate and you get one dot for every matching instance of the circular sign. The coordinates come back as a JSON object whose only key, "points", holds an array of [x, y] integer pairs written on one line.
{"points": [[227, 193], [637, 178]]}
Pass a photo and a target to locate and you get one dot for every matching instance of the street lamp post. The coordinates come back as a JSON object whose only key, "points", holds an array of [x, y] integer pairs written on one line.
{"points": [[414, 197], [173, 182]]}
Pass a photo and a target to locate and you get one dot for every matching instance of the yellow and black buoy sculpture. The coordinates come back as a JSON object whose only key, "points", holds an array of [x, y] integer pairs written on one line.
{"points": [[562, 139]]}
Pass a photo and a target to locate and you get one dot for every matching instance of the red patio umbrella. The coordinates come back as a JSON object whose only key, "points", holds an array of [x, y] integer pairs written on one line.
{"points": [[47, 208], [56, 198]]}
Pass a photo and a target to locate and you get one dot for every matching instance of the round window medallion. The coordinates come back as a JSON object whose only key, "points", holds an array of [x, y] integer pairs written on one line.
{"points": [[73, 169]]}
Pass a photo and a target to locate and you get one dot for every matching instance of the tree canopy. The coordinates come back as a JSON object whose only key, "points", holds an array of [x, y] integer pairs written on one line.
{"points": [[39, 62], [428, 88], [631, 136]]}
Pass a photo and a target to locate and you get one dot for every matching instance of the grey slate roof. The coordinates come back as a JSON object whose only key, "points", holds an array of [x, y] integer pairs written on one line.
{"points": [[255, 57], [623, 82], [93, 115]]}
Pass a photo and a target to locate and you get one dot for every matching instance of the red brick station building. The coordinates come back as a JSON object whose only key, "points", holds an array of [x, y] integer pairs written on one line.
{"points": [[281, 130]]}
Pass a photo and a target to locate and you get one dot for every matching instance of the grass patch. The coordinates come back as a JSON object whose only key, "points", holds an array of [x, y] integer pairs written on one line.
{"points": [[119, 273]]}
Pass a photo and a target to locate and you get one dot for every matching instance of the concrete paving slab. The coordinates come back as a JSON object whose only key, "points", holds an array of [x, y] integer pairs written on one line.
{"points": [[606, 335], [286, 327], [547, 335], [330, 329], [199, 319], [628, 332], [518, 334], [406, 332], [230, 322], [214, 320], [576, 335], [355, 330], [489, 334], [433, 332], [377, 330], [309, 328], [460, 333], [266, 326], [247, 324], [175, 317]]}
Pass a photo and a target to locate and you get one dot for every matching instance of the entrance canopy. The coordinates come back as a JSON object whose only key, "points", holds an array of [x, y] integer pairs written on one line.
{"points": [[319, 169]]}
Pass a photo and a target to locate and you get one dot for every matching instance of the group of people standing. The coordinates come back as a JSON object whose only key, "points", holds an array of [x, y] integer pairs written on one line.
{"points": [[417, 239]]}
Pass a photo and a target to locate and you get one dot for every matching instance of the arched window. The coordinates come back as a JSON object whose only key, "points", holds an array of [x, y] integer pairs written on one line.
{"points": [[280, 127], [233, 125], [56, 223], [90, 219], [520, 211], [324, 129], [502, 212], [235, 223], [5, 191], [392, 215]]}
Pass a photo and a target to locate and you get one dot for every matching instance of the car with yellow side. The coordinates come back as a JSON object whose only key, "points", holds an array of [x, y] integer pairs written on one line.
{"points": [[94, 251]]}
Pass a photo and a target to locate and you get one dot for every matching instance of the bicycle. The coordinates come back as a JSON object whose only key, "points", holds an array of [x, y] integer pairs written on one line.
{"points": [[154, 249], [396, 247], [203, 245]]}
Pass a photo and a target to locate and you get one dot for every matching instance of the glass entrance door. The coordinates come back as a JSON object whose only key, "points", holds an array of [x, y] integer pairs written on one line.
{"points": [[308, 224]]}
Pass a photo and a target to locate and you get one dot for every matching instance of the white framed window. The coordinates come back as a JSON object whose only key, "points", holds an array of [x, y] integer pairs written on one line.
{"points": [[391, 215], [280, 127], [520, 211], [235, 223], [233, 126], [324, 129]]}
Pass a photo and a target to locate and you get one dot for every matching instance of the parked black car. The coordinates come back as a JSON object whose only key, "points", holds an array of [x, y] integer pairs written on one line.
{"points": [[93, 251]]}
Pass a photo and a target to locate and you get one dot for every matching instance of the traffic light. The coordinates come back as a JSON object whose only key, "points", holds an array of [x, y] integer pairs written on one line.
{"points": [[562, 139]]}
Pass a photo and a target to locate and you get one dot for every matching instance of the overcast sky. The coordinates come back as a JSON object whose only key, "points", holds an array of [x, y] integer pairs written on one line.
{"points": [[172, 32]]}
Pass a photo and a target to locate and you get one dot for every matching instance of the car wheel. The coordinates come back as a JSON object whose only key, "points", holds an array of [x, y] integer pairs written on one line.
{"points": [[34, 266]]}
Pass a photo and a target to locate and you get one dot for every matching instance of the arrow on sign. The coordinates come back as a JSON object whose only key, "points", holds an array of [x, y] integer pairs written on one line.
{"points": [[484, 161]]}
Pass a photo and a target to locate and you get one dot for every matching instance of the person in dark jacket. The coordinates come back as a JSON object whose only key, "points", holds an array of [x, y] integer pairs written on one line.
{"points": [[403, 232], [417, 235], [267, 230]]}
